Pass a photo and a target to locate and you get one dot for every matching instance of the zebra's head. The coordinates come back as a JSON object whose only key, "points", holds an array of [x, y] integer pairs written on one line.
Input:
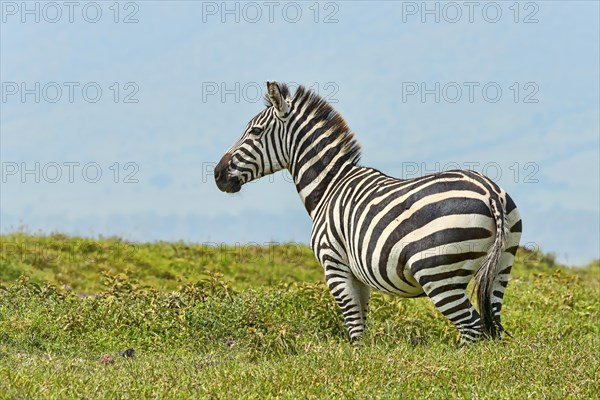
{"points": [[260, 150]]}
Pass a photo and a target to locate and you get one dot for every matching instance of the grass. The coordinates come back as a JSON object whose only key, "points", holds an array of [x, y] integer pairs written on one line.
{"points": [[77, 262], [210, 322]]}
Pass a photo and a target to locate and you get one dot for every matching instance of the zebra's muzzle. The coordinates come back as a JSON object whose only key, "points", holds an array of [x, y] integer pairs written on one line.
{"points": [[223, 178], [229, 185]]}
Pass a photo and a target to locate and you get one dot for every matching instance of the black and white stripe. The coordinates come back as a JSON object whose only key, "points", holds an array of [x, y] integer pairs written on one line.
{"points": [[426, 236]]}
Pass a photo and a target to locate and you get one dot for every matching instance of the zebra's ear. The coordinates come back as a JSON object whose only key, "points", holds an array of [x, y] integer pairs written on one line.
{"points": [[276, 98]]}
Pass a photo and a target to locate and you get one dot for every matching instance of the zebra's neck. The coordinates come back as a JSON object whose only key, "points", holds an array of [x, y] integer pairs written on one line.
{"points": [[321, 148], [313, 178]]}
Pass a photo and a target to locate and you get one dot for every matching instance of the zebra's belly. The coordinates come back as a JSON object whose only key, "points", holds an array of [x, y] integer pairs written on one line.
{"points": [[402, 280]]}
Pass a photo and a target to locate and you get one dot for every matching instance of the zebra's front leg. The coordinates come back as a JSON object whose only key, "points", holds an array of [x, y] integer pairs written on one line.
{"points": [[352, 296]]}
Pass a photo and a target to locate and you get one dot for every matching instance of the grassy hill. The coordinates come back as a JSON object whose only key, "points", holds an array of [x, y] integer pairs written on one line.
{"points": [[209, 321]]}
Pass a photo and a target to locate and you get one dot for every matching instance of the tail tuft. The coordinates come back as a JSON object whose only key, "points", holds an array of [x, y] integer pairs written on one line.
{"points": [[484, 278]]}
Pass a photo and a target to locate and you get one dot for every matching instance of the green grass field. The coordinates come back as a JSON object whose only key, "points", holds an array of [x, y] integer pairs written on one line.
{"points": [[258, 322]]}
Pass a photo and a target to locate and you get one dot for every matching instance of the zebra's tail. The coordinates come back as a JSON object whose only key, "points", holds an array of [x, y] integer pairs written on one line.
{"points": [[484, 279]]}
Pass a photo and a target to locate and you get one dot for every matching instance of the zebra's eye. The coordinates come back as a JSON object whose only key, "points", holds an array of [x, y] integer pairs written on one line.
{"points": [[256, 130]]}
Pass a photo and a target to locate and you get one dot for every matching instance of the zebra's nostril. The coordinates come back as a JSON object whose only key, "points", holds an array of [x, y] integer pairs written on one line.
{"points": [[222, 166]]}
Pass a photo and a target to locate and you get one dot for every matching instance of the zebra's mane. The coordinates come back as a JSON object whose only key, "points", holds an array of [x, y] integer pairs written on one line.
{"points": [[332, 121]]}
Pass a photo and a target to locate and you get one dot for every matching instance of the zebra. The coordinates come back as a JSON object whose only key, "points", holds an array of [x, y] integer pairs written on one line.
{"points": [[427, 236]]}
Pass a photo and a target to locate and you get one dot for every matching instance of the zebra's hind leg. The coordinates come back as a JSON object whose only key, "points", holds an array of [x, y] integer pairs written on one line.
{"points": [[450, 298], [352, 296]]}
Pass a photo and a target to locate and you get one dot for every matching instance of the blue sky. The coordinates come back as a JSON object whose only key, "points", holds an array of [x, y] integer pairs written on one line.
{"points": [[195, 69]]}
